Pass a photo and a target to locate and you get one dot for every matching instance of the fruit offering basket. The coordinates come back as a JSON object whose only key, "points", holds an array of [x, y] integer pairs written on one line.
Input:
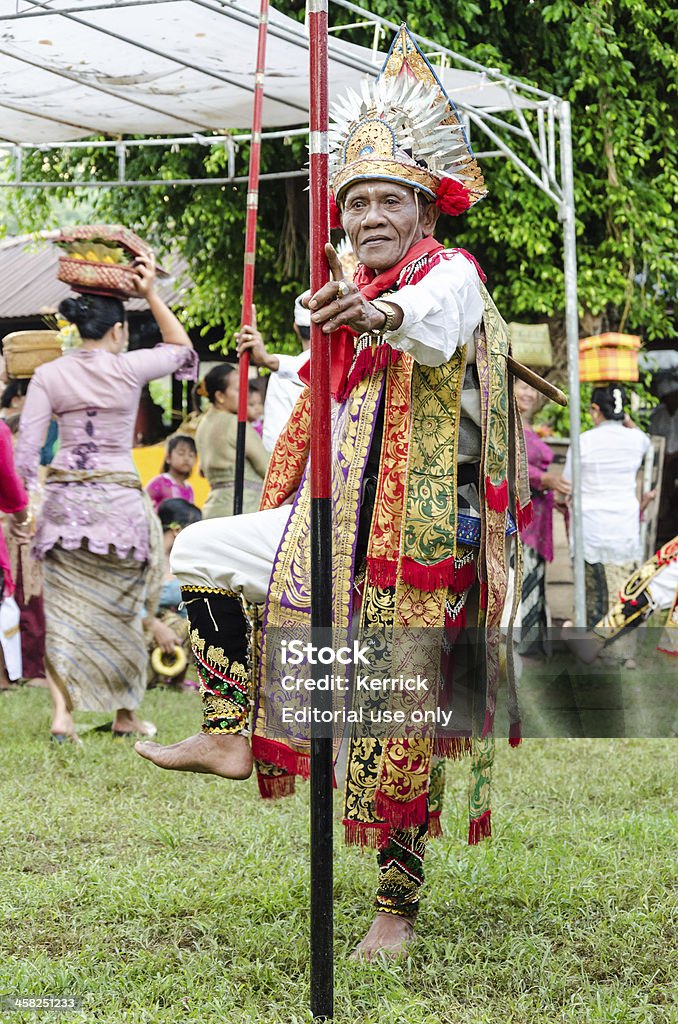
{"points": [[100, 259]]}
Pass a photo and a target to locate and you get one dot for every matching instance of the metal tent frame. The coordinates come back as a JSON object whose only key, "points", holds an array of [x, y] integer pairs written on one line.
{"points": [[540, 148]]}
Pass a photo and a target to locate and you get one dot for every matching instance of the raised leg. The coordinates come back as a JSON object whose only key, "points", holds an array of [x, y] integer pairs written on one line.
{"points": [[219, 633]]}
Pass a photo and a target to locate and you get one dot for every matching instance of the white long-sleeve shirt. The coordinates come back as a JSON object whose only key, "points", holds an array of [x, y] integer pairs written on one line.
{"points": [[284, 388], [440, 312]]}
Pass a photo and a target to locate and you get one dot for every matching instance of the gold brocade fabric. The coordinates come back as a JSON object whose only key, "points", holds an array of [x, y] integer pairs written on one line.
{"points": [[633, 605], [388, 781], [288, 608], [289, 456], [384, 541], [430, 518]]}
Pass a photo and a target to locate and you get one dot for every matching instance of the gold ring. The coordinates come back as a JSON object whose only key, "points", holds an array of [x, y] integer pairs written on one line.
{"points": [[342, 289]]}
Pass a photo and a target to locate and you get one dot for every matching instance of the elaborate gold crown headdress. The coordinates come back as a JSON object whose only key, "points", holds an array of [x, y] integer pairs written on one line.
{"points": [[403, 127]]}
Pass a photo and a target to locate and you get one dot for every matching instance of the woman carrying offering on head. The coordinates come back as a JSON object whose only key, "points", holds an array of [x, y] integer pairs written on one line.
{"points": [[98, 536], [611, 455]]}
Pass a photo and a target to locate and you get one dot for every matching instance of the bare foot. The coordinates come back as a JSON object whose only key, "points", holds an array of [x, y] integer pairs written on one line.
{"points": [[38, 681], [210, 754], [389, 934], [127, 724], [586, 646]]}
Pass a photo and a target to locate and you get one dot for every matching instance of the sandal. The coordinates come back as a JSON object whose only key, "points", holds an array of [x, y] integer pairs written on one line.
{"points": [[65, 737]]}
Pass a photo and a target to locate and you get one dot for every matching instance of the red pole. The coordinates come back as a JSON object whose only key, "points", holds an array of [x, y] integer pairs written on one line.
{"points": [[322, 926], [250, 252]]}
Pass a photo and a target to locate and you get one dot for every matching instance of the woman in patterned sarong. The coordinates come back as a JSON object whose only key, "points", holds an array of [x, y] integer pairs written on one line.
{"points": [[537, 538], [98, 536]]}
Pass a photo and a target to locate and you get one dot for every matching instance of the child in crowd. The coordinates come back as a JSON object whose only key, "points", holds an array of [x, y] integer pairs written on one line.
{"points": [[178, 466], [255, 407], [168, 628]]}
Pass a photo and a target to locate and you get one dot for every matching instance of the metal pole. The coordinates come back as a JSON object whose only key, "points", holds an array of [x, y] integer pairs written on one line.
{"points": [[572, 327], [250, 253], [322, 925]]}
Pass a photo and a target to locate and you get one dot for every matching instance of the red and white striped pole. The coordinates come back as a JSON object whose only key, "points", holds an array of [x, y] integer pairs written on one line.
{"points": [[250, 252], [322, 921]]}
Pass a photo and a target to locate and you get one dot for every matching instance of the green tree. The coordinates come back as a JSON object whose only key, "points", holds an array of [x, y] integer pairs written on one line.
{"points": [[613, 59]]}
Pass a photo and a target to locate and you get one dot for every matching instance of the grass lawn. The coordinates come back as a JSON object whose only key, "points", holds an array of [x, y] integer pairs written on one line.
{"points": [[156, 897]]}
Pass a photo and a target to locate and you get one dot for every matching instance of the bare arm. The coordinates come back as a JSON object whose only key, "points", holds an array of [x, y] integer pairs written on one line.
{"points": [[170, 328]]}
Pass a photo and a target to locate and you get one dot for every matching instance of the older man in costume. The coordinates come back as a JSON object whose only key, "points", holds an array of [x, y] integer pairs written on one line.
{"points": [[428, 484]]}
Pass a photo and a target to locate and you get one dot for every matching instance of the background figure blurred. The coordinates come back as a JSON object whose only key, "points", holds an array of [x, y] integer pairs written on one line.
{"points": [[98, 535], [255, 406], [537, 538], [215, 440], [13, 398], [664, 423], [27, 575], [178, 466], [13, 502], [166, 626], [652, 588], [611, 455], [284, 385]]}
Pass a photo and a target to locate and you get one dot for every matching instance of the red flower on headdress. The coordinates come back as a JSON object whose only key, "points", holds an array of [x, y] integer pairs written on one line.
{"points": [[452, 197], [335, 216]]}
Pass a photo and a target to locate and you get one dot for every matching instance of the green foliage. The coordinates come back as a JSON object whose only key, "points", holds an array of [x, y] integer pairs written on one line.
{"points": [[615, 62]]}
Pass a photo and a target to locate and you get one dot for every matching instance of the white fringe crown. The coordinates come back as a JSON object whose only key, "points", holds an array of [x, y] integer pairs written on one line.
{"points": [[404, 128]]}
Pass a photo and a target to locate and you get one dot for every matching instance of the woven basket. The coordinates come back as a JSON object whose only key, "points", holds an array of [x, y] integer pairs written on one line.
{"points": [[531, 344], [98, 278], [609, 357], [24, 351]]}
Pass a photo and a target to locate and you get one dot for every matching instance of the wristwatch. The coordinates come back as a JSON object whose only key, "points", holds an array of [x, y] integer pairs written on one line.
{"points": [[389, 312]]}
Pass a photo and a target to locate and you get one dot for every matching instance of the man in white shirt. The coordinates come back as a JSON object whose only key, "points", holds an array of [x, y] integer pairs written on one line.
{"points": [[284, 385]]}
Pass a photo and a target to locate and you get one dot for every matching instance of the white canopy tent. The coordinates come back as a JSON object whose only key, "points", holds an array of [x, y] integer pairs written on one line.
{"points": [[70, 69], [184, 70]]}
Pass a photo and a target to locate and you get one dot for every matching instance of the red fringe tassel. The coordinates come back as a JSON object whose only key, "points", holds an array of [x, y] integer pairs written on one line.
{"points": [[273, 787], [515, 734], [442, 574], [401, 814], [382, 572], [524, 515], [281, 756], [368, 361], [453, 747], [480, 828], [357, 833], [435, 829], [496, 496]]}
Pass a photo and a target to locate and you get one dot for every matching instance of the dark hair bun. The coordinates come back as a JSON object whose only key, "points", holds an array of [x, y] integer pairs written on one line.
{"points": [[93, 315], [611, 400], [69, 309]]}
